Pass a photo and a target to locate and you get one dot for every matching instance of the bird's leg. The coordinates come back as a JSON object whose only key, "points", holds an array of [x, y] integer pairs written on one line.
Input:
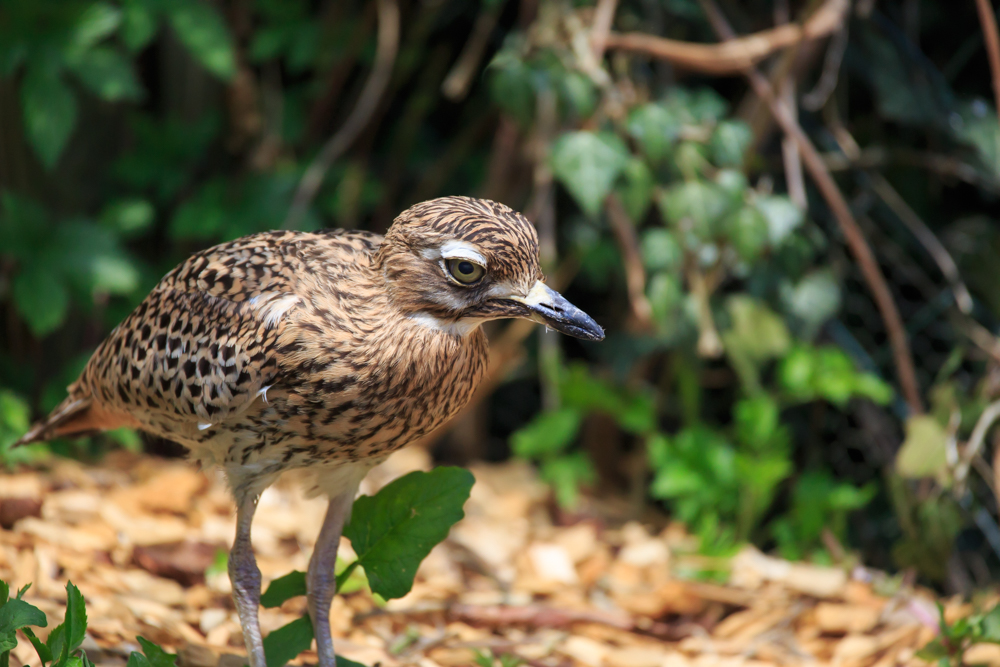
{"points": [[245, 577], [321, 581]]}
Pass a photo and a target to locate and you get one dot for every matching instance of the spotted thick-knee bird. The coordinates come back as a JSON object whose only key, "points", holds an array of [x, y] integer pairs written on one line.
{"points": [[324, 351]]}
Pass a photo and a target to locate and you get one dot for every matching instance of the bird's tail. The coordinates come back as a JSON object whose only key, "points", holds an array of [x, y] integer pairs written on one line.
{"points": [[73, 417]]}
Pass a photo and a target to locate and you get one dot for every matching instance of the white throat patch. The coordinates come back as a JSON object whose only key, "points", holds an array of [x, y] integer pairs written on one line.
{"points": [[462, 327]]}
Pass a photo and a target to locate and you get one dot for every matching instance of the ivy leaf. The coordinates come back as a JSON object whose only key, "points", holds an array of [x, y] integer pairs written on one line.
{"points": [[49, 110], [392, 531], [205, 34], [588, 163], [660, 250], [782, 216], [694, 205], [748, 233], [655, 128], [108, 75], [636, 190], [41, 299], [284, 588], [729, 143], [924, 451], [548, 433]]}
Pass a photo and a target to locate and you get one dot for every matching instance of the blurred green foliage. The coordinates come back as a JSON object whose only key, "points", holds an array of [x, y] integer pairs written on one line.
{"points": [[746, 386]]}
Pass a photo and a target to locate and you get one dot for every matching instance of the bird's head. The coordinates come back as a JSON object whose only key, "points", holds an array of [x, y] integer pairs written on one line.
{"points": [[455, 262]]}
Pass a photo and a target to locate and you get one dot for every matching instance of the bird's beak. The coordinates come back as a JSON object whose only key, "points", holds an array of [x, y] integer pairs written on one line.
{"points": [[550, 308]]}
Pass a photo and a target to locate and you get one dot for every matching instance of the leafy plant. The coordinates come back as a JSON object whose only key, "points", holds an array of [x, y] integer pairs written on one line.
{"points": [[62, 647], [948, 648], [391, 533]]}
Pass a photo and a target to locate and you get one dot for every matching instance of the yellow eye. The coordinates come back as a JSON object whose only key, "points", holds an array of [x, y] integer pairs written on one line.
{"points": [[464, 271]]}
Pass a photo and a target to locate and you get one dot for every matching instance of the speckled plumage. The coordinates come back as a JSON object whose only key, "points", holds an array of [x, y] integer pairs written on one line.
{"points": [[325, 351]]}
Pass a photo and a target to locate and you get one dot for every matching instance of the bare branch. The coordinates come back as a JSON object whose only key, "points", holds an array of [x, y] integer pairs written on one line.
{"points": [[736, 55], [988, 21]]}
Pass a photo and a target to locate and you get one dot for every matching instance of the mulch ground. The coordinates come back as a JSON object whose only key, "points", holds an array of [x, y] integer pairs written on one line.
{"points": [[137, 534]]}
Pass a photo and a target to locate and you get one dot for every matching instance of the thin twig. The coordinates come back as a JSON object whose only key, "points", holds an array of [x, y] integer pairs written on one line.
{"points": [[456, 84], [927, 238], [734, 56], [604, 16], [794, 178], [988, 21], [838, 205], [635, 274], [385, 56], [976, 440], [817, 97]]}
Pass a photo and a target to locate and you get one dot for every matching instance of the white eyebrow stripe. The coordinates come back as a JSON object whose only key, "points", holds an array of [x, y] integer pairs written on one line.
{"points": [[462, 250]]}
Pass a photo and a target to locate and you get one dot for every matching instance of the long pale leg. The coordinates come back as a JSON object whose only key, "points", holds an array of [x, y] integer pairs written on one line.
{"points": [[245, 577], [321, 582]]}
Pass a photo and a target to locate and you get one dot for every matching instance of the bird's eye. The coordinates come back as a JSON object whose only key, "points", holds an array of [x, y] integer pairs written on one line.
{"points": [[464, 271]]}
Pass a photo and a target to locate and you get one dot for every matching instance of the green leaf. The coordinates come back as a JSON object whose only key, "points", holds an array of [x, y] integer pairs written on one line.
{"points": [[69, 634], [665, 293], [511, 86], [991, 626], [8, 642], [115, 275], [660, 250], [205, 34], [566, 474], [782, 215], [128, 217], [587, 164], [138, 24], [976, 124], [4, 588], [16, 614], [748, 233], [578, 93], [758, 423], [392, 531], [49, 111], [98, 21], [694, 206], [757, 330], [729, 143], [44, 654], [813, 300], [655, 128], [108, 75], [636, 189], [548, 433], [344, 662], [56, 644], [835, 375], [284, 588], [41, 298], [136, 659], [157, 656], [925, 450]]}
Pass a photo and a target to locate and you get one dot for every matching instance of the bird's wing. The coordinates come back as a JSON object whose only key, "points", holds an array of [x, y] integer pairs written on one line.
{"points": [[205, 343]]}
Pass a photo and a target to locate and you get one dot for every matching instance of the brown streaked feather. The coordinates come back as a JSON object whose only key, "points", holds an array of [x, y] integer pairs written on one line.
{"points": [[298, 349]]}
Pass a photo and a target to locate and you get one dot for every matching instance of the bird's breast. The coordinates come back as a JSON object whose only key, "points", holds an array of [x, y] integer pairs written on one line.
{"points": [[368, 395]]}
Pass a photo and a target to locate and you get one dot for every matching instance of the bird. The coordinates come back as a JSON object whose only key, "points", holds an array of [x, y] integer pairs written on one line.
{"points": [[323, 351]]}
